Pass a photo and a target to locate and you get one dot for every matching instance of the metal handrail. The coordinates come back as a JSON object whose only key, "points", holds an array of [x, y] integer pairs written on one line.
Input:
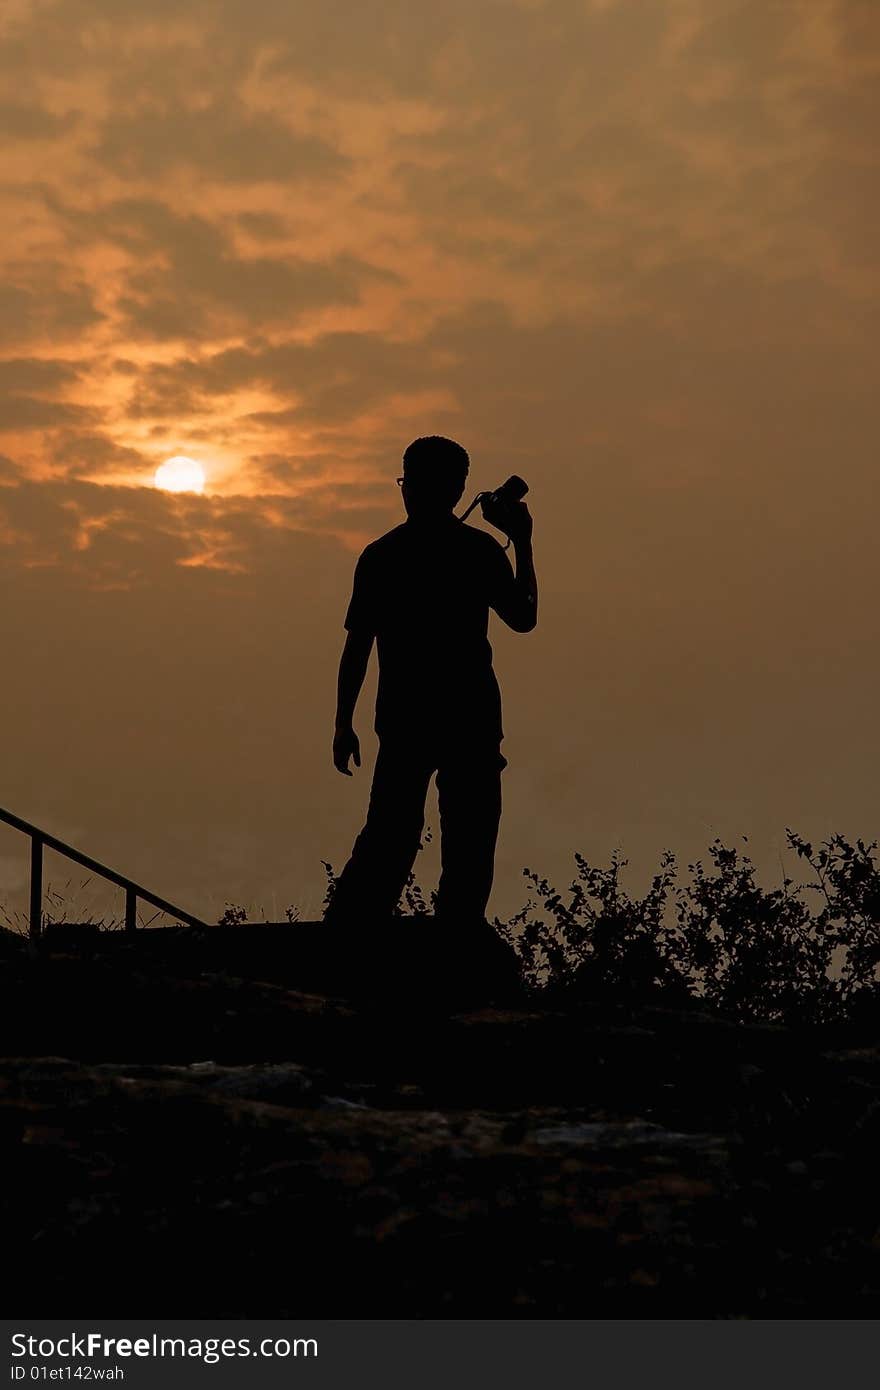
{"points": [[133, 891]]}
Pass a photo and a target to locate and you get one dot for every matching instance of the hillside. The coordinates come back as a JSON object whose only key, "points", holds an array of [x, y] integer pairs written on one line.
{"points": [[267, 1121]]}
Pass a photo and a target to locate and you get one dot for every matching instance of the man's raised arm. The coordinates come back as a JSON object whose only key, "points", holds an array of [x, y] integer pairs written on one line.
{"points": [[516, 595]]}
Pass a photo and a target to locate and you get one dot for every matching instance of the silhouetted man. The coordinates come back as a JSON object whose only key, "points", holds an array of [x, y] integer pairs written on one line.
{"points": [[423, 591]]}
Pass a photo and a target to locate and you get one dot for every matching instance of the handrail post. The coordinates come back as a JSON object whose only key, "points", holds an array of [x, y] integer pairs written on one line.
{"points": [[130, 909], [36, 887]]}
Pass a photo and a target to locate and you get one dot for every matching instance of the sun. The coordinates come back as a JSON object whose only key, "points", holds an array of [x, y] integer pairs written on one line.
{"points": [[180, 474]]}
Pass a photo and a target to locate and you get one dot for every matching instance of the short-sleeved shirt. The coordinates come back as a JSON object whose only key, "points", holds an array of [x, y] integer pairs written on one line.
{"points": [[424, 591]]}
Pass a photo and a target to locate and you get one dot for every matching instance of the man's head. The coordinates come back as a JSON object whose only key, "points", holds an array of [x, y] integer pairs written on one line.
{"points": [[434, 473]]}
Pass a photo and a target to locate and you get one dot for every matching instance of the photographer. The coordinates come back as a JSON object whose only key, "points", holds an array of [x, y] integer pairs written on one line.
{"points": [[423, 591]]}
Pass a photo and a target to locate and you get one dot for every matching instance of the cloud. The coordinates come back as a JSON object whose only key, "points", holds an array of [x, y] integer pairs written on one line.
{"points": [[264, 226], [34, 413], [36, 374], [752, 36], [220, 140], [497, 233], [857, 28], [86, 451], [334, 377], [203, 289], [185, 279], [285, 469], [36, 306], [125, 537], [9, 473], [26, 121]]}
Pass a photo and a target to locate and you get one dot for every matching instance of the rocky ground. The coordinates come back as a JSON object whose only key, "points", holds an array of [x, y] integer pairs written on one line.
{"points": [[266, 1121]]}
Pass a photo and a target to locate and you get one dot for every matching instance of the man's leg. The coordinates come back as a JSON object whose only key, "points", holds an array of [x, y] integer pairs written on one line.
{"points": [[384, 852], [469, 793]]}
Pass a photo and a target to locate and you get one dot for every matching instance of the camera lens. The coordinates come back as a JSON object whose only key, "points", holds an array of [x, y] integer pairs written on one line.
{"points": [[513, 490]]}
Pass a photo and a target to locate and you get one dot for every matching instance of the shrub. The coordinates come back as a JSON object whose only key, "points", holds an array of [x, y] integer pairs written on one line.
{"points": [[720, 938]]}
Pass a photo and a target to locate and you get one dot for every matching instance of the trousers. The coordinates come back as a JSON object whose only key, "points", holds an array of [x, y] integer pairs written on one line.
{"points": [[469, 795]]}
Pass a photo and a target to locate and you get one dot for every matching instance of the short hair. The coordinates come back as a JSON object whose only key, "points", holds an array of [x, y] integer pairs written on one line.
{"points": [[434, 460]]}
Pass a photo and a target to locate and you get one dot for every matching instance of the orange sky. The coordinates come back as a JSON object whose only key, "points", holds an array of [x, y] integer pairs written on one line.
{"points": [[625, 248]]}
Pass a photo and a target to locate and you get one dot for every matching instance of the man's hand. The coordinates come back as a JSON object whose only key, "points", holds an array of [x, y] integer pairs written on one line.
{"points": [[345, 746], [513, 518]]}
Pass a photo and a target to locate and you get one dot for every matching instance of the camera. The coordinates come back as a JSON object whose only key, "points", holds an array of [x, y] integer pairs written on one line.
{"points": [[514, 490]]}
